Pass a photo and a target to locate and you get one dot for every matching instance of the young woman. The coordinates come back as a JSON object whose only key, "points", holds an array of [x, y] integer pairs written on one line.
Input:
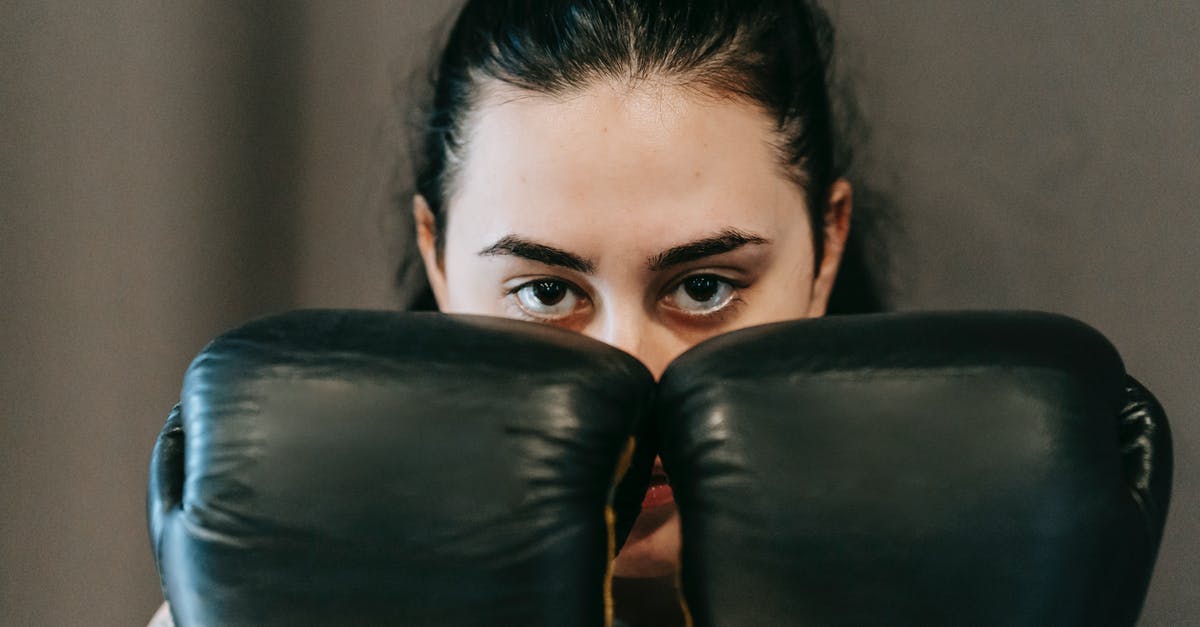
{"points": [[650, 173]]}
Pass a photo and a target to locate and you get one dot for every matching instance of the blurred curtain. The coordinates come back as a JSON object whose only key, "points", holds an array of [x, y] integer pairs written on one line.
{"points": [[167, 170]]}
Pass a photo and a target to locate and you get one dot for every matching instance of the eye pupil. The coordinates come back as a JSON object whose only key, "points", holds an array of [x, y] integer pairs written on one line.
{"points": [[549, 293], [701, 288]]}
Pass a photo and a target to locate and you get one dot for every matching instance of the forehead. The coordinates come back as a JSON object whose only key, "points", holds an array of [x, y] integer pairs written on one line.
{"points": [[654, 164]]}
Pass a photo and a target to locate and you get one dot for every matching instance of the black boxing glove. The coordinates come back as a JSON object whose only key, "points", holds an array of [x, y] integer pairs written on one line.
{"points": [[374, 468], [915, 469]]}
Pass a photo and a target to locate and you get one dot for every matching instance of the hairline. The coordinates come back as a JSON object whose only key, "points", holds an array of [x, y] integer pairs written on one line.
{"points": [[494, 90]]}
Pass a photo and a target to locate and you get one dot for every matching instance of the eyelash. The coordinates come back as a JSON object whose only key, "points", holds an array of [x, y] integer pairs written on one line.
{"points": [[719, 315], [713, 317]]}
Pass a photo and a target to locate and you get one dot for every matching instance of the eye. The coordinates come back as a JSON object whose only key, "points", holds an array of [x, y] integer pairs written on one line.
{"points": [[702, 294], [547, 299]]}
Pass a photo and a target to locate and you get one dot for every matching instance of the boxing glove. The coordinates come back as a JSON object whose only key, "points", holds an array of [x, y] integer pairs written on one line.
{"points": [[914, 469], [375, 468]]}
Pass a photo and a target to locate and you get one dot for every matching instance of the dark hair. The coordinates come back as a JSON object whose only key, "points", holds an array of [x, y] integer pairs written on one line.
{"points": [[775, 54]]}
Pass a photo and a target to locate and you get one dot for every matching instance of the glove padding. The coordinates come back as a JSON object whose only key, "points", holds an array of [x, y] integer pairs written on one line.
{"points": [[374, 468], [916, 469]]}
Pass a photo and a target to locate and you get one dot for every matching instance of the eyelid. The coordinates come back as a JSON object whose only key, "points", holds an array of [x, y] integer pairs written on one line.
{"points": [[521, 282], [674, 284], [716, 316], [730, 274], [735, 301], [512, 300]]}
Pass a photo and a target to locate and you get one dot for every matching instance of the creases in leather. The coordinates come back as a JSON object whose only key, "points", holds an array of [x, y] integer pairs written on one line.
{"points": [[1146, 455]]}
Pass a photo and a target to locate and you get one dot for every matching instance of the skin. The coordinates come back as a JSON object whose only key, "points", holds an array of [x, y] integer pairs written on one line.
{"points": [[615, 176]]}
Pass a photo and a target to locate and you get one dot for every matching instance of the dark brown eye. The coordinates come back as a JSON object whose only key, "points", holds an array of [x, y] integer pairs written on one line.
{"points": [[701, 288], [701, 294], [549, 293], [547, 299]]}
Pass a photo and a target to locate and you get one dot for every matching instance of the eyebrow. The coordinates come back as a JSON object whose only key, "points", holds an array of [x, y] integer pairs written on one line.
{"points": [[527, 249], [726, 240]]}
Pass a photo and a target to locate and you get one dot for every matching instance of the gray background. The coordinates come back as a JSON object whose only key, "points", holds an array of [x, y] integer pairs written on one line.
{"points": [[170, 169]]}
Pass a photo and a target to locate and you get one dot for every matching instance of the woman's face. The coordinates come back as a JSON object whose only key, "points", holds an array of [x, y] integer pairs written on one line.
{"points": [[648, 217]]}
